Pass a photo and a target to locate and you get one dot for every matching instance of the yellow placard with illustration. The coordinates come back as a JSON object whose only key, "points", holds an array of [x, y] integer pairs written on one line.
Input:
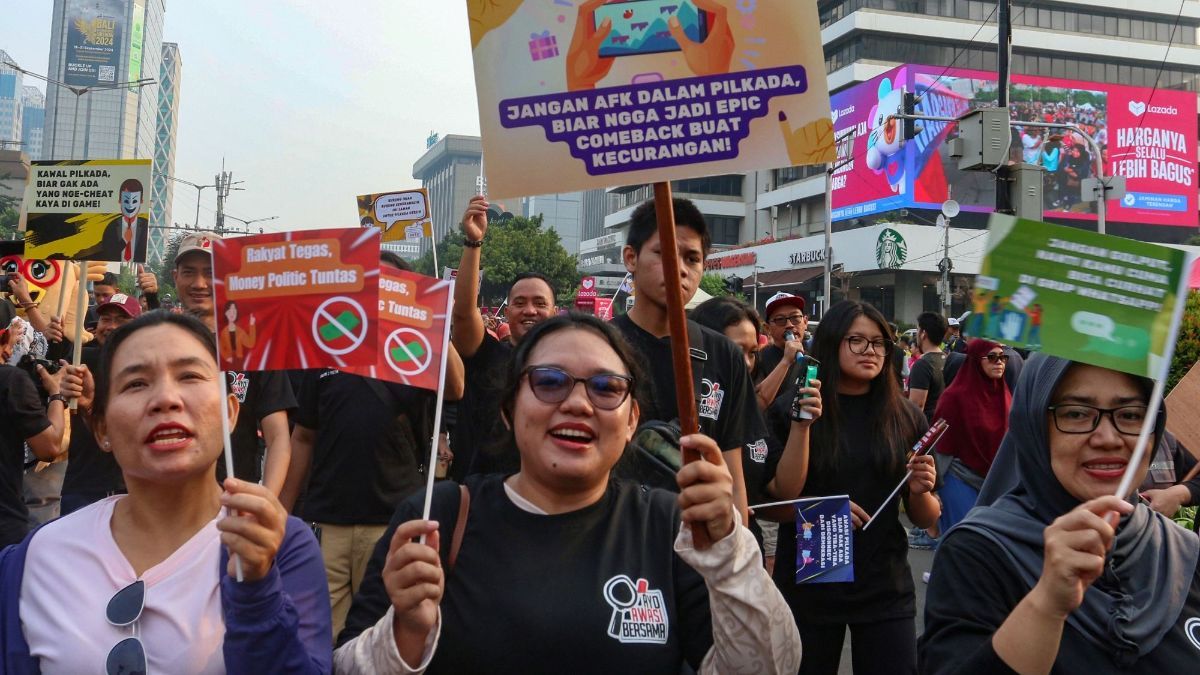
{"points": [[580, 95], [400, 216]]}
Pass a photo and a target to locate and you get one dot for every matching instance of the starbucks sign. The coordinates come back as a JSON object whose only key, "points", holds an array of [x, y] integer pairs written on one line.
{"points": [[890, 250]]}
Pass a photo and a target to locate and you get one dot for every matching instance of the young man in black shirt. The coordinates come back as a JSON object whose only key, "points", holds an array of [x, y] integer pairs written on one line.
{"points": [[786, 324], [360, 446], [24, 419], [727, 407], [266, 397], [475, 439], [925, 383]]}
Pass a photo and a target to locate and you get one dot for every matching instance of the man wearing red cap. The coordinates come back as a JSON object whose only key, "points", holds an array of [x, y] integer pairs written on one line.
{"points": [[786, 323]]}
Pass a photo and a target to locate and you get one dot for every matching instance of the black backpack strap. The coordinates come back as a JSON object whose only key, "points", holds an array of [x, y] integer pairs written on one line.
{"points": [[699, 357]]}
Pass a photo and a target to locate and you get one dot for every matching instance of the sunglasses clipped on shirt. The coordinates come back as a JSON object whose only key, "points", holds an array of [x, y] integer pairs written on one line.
{"points": [[128, 657], [996, 358], [606, 391]]}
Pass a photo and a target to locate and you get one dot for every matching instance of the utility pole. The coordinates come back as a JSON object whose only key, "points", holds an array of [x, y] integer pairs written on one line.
{"points": [[1004, 49], [847, 138]]}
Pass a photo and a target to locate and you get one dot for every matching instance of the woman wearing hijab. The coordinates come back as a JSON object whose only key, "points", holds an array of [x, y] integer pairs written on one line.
{"points": [[1052, 573], [976, 407]]}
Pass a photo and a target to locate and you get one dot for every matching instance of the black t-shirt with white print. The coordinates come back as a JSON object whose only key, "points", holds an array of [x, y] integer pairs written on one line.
{"points": [[728, 409], [598, 590], [260, 394]]}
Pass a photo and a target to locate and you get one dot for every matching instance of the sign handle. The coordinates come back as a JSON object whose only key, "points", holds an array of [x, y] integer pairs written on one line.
{"points": [[80, 310], [62, 295], [431, 467], [237, 562], [681, 355]]}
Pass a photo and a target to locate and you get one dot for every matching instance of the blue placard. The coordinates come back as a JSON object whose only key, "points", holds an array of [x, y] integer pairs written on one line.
{"points": [[824, 541]]}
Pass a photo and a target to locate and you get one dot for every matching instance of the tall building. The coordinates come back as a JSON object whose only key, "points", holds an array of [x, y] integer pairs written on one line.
{"points": [[163, 189], [33, 121], [449, 169], [10, 103], [565, 213], [95, 44]]}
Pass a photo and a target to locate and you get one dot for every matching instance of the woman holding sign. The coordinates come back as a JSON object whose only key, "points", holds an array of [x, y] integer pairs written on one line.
{"points": [[143, 582], [858, 448], [1052, 573], [580, 563]]}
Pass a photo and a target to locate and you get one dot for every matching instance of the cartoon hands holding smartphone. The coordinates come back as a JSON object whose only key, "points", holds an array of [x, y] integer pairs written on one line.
{"points": [[606, 30]]}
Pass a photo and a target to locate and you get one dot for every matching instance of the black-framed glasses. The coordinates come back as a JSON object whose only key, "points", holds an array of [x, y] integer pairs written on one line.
{"points": [[793, 319], [996, 358], [1077, 418], [606, 391], [128, 657], [860, 345]]}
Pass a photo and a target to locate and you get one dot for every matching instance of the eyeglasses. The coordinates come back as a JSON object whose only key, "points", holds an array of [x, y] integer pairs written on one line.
{"points": [[1084, 419], [860, 344], [128, 657], [793, 319], [606, 391], [996, 358]]}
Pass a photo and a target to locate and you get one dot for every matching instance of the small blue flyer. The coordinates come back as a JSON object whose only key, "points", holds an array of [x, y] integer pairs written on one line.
{"points": [[824, 540]]}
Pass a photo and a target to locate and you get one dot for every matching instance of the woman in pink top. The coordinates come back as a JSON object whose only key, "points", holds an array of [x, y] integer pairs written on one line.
{"points": [[145, 581]]}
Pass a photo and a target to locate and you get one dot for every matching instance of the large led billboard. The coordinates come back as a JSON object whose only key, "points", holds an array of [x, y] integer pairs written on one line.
{"points": [[94, 29], [1148, 137]]}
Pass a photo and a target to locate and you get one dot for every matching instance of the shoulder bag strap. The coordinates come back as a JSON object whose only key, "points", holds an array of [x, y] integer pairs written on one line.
{"points": [[464, 507]]}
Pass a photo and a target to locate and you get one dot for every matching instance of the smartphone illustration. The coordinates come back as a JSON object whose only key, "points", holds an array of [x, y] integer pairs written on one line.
{"points": [[640, 26]]}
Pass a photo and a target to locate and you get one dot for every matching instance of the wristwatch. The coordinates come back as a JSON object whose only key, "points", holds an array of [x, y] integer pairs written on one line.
{"points": [[56, 397], [473, 243]]}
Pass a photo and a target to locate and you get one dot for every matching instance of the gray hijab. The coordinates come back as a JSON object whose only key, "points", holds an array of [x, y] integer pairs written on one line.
{"points": [[1127, 611]]}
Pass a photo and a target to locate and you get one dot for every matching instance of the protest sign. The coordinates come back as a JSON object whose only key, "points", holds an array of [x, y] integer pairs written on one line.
{"points": [[603, 308], [1182, 404], [412, 320], [88, 210], [1098, 299], [307, 299], [399, 215], [646, 91]]}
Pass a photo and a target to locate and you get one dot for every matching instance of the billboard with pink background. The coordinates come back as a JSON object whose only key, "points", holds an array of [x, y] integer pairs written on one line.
{"points": [[1148, 137]]}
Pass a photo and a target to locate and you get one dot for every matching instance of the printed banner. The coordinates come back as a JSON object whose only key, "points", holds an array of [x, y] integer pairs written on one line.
{"points": [[603, 308], [590, 94], [399, 215], [95, 29], [1144, 135], [1088, 297], [412, 324], [89, 210], [824, 540], [306, 299]]}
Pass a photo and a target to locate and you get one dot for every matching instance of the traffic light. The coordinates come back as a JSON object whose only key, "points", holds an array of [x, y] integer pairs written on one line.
{"points": [[733, 285], [910, 108]]}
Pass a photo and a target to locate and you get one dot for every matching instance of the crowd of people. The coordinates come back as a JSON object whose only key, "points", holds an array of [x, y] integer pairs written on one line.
{"points": [[1065, 155], [559, 537]]}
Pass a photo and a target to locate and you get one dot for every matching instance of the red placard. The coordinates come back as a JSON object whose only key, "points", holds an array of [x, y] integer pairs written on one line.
{"points": [[304, 299], [412, 328], [603, 308]]}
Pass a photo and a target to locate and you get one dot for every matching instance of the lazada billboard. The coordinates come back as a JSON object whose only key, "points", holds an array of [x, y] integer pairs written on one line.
{"points": [[1148, 137]]}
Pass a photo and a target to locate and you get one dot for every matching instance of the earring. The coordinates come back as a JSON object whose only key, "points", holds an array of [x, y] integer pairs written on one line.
{"points": [[107, 444]]}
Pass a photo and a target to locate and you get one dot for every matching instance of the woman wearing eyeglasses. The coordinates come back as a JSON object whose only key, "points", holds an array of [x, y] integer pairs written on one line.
{"points": [[558, 567], [858, 447], [976, 406], [1052, 573], [144, 582]]}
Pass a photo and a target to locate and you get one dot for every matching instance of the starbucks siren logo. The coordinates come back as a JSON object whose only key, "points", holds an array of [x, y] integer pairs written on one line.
{"points": [[891, 250]]}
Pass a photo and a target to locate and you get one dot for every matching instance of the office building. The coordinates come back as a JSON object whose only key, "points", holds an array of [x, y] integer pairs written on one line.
{"points": [[94, 45], [163, 188], [1097, 41], [449, 169], [10, 103], [33, 121], [570, 214]]}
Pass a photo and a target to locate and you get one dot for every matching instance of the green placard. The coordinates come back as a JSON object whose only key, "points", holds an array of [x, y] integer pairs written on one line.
{"points": [[1099, 299], [136, 38]]}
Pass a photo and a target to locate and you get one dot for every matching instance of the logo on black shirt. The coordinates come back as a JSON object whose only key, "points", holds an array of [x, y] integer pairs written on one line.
{"points": [[239, 385], [639, 613], [711, 396], [758, 450], [1191, 627]]}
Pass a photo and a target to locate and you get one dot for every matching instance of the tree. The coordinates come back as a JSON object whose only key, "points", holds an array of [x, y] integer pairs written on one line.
{"points": [[714, 285], [1187, 349], [162, 270], [512, 246], [9, 215]]}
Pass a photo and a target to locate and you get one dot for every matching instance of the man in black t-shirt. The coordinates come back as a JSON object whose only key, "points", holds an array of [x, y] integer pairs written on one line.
{"points": [[266, 397], [786, 324], [727, 407], [477, 440], [925, 383]]}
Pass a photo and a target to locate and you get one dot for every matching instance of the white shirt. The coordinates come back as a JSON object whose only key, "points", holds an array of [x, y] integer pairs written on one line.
{"points": [[74, 568]]}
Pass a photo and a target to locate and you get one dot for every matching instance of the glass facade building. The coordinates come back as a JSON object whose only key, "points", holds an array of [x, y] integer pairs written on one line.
{"points": [[105, 123], [163, 189], [10, 101], [33, 121]]}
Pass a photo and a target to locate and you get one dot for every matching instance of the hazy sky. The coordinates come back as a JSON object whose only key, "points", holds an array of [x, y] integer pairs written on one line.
{"points": [[310, 102]]}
